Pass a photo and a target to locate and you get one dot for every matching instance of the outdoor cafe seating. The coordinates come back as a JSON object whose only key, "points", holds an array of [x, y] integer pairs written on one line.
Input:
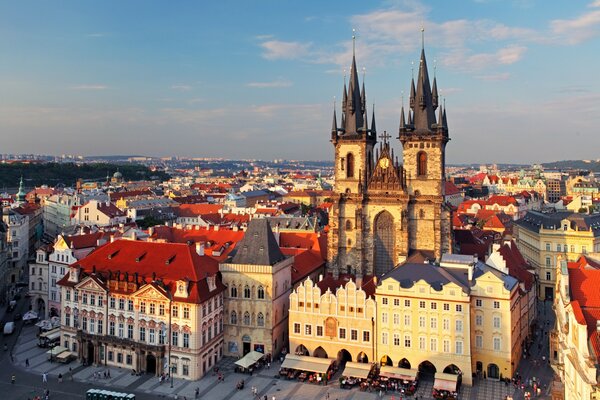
{"points": [[445, 386], [306, 368], [398, 379]]}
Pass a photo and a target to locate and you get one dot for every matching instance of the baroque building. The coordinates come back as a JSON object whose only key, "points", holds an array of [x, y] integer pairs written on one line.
{"points": [[379, 204]]}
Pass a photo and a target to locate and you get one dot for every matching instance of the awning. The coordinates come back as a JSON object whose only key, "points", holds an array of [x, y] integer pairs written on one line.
{"points": [[398, 373], [357, 370], [56, 350], [249, 359], [30, 315], [445, 382], [66, 354], [307, 363]]}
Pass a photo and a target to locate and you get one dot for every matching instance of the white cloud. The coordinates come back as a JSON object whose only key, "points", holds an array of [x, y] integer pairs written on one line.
{"points": [[182, 88], [580, 29], [503, 76], [461, 59], [277, 49], [280, 83], [89, 87]]}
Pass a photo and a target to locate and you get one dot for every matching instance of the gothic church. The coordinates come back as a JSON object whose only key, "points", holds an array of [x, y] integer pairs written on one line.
{"points": [[384, 211]]}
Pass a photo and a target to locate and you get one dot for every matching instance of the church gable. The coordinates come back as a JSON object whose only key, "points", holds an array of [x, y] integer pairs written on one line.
{"points": [[388, 173]]}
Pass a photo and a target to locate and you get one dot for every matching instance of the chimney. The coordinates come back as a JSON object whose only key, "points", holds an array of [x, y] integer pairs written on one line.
{"points": [[470, 273], [320, 277], [200, 248], [151, 231], [216, 227], [112, 238]]}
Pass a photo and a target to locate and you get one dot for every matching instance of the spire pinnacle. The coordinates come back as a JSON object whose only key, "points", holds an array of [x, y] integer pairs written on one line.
{"points": [[373, 127], [353, 42], [422, 37]]}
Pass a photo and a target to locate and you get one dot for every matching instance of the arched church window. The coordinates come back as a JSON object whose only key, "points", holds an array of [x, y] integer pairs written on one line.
{"points": [[233, 318], [233, 291], [421, 163], [261, 292], [247, 292], [246, 318], [260, 319], [350, 165], [348, 225]]}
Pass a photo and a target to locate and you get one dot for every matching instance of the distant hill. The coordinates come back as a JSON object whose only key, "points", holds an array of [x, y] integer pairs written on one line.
{"points": [[591, 165], [52, 174]]}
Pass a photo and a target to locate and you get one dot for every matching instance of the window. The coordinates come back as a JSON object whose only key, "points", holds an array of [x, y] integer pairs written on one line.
{"points": [[152, 308], [421, 304], [111, 328], [446, 307], [260, 293], [478, 303], [446, 324], [353, 334], [433, 305], [68, 295], [143, 307], [548, 262], [308, 330], [142, 334], [185, 370], [548, 276], [120, 358], [350, 165], [260, 321], [406, 320], [396, 319], [175, 338], [446, 346], [547, 246], [422, 322], [384, 301], [479, 341], [459, 325], [497, 322], [366, 336], [421, 163], [558, 247], [396, 302], [406, 303], [479, 320], [121, 329], [572, 248], [348, 225], [396, 339], [67, 319], [100, 326], [433, 344], [84, 324], [76, 294], [129, 305], [129, 359], [422, 343], [584, 249], [233, 318], [459, 308], [406, 340], [497, 344], [151, 335], [186, 340], [121, 304], [342, 333], [246, 292], [111, 356], [319, 330], [246, 318], [459, 347], [296, 328], [92, 299], [161, 309], [384, 338], [84, 298], [161, 336], [384, 318], [233, 292], [496, 304], [129, 331], [433, 323], [175, 311]]}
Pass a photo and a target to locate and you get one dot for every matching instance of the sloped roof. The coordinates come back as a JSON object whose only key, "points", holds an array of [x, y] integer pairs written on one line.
{"points": [[450, 188], [194, 210], [258, 247], [516, 264]]}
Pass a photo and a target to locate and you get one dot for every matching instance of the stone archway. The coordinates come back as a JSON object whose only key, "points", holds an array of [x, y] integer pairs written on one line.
{"points": [[344, 356], [493, 372], [427, 368], [362, 357], [151, 364], [301, 350], [320, 352], [383, 229], [386, 360], [404, 363]]}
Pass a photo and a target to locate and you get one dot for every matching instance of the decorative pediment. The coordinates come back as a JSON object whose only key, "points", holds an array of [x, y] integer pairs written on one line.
{"points": [[387, 174], [151, 292], [90, 283], [60, 244]]}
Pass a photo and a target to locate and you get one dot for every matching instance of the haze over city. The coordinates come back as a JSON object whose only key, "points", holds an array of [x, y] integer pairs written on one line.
{"points": [[258, 80]]}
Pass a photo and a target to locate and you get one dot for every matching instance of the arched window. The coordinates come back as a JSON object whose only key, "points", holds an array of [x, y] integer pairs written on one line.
{"points": [[233, 318], [246, 318], [260, 319], [233, 291], [350, 165], [246, 292], [422, 163], [260, 292], [348, 225]]}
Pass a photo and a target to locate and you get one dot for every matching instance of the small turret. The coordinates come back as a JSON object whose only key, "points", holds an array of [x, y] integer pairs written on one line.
{"points": [[373, 127], [412, 93], [334, 128], [434, 94]]}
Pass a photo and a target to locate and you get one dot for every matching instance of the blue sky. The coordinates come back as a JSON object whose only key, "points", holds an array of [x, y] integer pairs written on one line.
{"points": [[243, 79]]}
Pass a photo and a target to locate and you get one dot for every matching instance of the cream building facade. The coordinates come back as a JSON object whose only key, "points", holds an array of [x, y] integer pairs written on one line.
{"points": [[543, 238], [151, 307], [333, 318]]}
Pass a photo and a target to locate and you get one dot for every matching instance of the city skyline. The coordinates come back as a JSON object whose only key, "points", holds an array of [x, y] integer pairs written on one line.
{"points": [[205, 80]]}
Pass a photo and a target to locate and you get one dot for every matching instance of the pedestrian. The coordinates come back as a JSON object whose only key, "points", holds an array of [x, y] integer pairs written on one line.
{"points": [[196, 393], [59, 378], [44, 377], [13, 378], [27, 362], [108, 373]]}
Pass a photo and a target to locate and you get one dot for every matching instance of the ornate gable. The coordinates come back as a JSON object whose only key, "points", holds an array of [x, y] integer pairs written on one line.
{"points": [[151, 292], [91, 283], [388, 173]]}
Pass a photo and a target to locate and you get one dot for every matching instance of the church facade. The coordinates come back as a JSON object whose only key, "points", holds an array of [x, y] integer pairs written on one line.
{"points": [[385, 211]]}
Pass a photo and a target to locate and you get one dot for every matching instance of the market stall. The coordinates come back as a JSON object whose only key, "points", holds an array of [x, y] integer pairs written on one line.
{"points": [[249, 360], [398, 379], [306, 368], [355, 374], [445, 386]]}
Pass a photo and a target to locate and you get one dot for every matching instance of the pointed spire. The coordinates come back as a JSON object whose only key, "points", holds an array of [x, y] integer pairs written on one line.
{"points": [[412, 93], [424, 114], [410, 120], [363, 97], [334, 125], [353, 111], [402, 121], [444, 119], [365, 126], [373, 127], [440, 118], [344, 95], [434, 93]]}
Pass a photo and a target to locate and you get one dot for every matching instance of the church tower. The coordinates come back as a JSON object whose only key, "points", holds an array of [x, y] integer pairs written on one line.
{"points": [[424, 141]]}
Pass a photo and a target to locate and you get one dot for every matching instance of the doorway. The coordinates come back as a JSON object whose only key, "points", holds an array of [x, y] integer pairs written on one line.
{"points": [[151, 364], [90, 353], [246, 347]]}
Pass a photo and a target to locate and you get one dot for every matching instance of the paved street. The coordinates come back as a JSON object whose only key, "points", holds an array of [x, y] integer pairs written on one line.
{"points": [[29, 379]]}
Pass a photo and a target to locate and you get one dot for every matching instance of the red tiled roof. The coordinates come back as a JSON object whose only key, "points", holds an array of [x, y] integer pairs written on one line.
{"points": [[114, 196], [85, 241], [110, 210], [516, 264], [450, 188], [328, 282], [305, 262], [305, 240], [194, 210], [502, 200]]}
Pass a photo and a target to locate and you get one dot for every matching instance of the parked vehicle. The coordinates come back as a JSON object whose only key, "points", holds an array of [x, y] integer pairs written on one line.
{"points": [[50, 338], [9, 328]]}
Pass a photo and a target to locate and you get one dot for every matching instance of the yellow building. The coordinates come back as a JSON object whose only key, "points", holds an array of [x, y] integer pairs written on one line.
{"points": [[452, 318], [575, 339], [333, 318], [544, 237]]}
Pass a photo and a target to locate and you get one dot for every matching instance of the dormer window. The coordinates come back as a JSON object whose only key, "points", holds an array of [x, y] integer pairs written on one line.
{"points": [[182, 289]]}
